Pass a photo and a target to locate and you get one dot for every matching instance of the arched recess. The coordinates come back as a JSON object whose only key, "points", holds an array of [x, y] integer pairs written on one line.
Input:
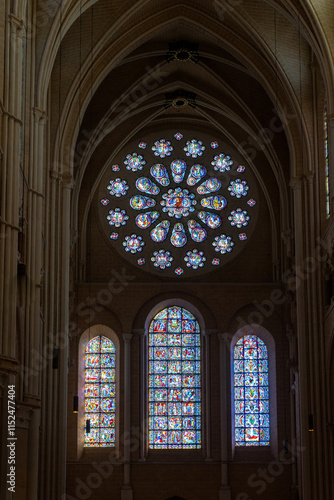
{"points": [[205, 376], [90, 333], [267, 338], [68, 129], [274, 223], [312, 15]]}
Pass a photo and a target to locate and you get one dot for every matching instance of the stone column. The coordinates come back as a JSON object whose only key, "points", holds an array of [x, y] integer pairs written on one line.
{"points": [[293, 378], [143, 394], [127, 493], [207, 364], [25, 462], [225, 491], [61, 340], [304, 471], [35, 205], [330, 131], [9, 196]]}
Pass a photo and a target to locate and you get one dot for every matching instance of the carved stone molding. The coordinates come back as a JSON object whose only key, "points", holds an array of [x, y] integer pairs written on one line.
{"points": [[17, 25], [67, 181], [225, 338], [9, 365], [3, 383], [40, 116], [296, 183], [55, 175], [140, 331], [210, 331], [127, 338], [23, 416]]}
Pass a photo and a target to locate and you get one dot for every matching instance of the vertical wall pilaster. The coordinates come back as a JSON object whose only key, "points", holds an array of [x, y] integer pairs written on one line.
{"points": [[225, 491], [35, 201], [61, 339], [207, 365], [330, 131], [9, 212], [143, 334], [304, 471], [127, 492]]}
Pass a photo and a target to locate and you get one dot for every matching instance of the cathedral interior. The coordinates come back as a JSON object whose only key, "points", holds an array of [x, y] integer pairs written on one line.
{"points": [[166, 249]]}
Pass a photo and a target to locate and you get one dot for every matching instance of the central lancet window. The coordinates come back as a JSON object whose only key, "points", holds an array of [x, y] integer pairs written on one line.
{"points": [[174, 380]]}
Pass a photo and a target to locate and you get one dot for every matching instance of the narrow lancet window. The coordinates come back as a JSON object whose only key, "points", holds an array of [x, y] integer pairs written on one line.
{"points": [[100, 392]]}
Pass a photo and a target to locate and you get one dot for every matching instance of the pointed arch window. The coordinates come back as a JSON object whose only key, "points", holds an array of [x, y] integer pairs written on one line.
{"points": [[100, 392], [251, 392], [174, 380]]}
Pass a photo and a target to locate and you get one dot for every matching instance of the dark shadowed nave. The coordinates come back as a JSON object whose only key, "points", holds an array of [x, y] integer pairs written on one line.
{"points": [[166, 249]]}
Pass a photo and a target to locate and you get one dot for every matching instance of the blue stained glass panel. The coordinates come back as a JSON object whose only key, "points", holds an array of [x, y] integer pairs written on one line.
{"points": [[93, 345], [251, 392], [174, 380], [174, 339], [100, 393]]}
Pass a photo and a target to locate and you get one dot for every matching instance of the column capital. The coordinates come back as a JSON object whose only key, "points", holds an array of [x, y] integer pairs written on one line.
{"points": [[127, 338], [23, 416], [296, 183], [67, 181], [209, 331], [330, 118], [140, 331], [225, 338], [309, 176], [54, 174], [16, 23], [3, 379], [40, 115], [290, 333]]}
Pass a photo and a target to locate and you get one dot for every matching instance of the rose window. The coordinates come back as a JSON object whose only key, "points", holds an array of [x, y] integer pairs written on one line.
{"points": [[178, 205]]}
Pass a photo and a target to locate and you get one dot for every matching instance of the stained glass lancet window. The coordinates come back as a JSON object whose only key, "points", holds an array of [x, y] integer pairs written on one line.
{"points": [[174, 380], [251, 392], [100, 375]]}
